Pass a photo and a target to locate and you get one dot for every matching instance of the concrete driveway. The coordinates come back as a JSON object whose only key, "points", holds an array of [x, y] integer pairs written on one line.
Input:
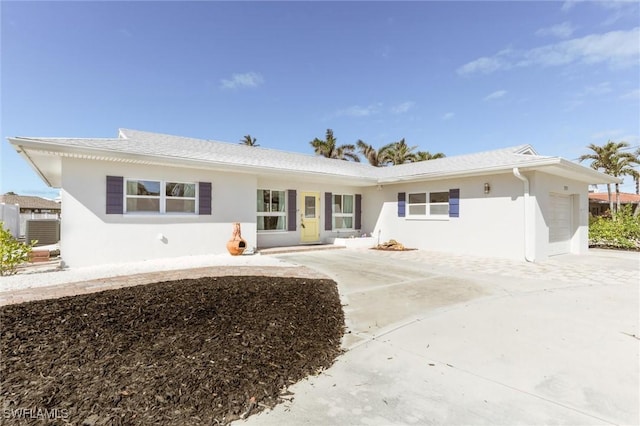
{"points": [[444, 339]]}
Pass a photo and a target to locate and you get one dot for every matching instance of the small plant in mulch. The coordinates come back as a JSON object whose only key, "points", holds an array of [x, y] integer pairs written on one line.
{"points": [[205, 351], [13, 253]]}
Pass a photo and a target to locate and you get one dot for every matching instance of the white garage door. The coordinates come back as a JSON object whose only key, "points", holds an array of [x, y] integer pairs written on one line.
{"points": [[559, 224]]}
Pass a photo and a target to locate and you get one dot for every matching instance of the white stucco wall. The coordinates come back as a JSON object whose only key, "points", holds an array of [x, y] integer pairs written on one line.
{"points": [[292, 238], [89, 236], [489, 224]]}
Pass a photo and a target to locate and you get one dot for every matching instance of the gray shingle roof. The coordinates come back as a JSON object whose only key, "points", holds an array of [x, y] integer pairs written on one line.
{"points": [[239, 154], [488, 160], [134, 145]]}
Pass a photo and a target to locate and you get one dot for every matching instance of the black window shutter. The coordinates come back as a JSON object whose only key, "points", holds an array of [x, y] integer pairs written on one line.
{"points": [[204, 198], [291, 209], [115, 194], [358, 212], [454, 202], [328, 211], [402, 196]]}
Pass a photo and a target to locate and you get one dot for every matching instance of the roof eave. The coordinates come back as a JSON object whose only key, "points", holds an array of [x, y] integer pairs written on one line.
{"points": [[552, 165], [585, 174], [22, 151]]}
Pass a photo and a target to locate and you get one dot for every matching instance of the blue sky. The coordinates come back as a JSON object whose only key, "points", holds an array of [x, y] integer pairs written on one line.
{"points": [[452, 77]]}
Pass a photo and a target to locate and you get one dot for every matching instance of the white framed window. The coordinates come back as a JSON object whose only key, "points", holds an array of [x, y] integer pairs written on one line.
{"points": [[439, 203], [342, 211], [272, 212], [417, 204], [428, 204], [180, 197], [160, 197]]}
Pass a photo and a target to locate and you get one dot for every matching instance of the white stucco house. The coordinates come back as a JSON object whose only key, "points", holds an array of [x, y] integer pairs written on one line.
{"points": [[146, 195]]}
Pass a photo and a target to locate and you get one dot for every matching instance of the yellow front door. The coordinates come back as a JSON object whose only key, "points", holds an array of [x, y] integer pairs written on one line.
{"points": [[310, 217]]}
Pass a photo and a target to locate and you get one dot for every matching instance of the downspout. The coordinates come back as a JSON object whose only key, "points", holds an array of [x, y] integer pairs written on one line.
{"points": [[528, 255]]}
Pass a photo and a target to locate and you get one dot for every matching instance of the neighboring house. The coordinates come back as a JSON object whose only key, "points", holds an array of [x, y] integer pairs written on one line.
{"points": [[145, 195], [599, 201], [31, 207]]}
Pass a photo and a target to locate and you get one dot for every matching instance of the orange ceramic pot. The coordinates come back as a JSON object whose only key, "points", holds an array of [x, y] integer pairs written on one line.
{"points": [[236, 245]]}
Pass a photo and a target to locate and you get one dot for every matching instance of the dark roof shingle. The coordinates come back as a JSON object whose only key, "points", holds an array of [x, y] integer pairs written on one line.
{"points": [[29, 202]]}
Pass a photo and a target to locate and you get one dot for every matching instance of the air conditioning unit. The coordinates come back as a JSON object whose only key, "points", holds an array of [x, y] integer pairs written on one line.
{"points": [[45, 231]]}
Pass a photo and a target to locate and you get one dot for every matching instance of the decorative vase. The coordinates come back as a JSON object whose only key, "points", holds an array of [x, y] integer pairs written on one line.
{"points": [[236, 244]]}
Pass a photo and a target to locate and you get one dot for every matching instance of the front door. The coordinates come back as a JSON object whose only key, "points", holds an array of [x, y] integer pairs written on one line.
{"points": [[310, 217]]}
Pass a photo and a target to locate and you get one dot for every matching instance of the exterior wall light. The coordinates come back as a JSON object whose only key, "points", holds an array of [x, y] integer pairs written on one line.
{"points": [[487, 188]]}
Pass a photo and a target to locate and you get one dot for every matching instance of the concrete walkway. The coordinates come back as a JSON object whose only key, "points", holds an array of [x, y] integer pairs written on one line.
{"points": [[120, 281], [442, 339]]}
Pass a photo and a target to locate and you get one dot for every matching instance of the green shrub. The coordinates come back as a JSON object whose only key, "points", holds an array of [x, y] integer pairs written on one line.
{"points": [[13, 253], [621, 231]]}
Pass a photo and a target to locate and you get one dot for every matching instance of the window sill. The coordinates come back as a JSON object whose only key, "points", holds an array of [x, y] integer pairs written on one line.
{"points": [[131, 214], [428, 218], [272, 231]]}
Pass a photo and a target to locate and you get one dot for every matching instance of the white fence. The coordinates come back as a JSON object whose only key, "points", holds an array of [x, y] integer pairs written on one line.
{"points": [[11, 218]]}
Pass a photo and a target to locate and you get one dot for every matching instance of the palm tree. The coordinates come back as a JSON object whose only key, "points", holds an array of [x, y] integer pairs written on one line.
{"points": [[249, 141], [623, 165], [400, 153], [426, 155], [636, 176], [329, 148], [610, 160], [376, 157]]}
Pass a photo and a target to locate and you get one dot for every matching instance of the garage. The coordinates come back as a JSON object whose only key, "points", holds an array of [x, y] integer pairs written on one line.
{"points": [[559, 224]]}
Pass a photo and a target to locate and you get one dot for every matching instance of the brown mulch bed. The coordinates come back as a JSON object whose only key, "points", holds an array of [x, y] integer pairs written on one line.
{"points": [[204, 351]]}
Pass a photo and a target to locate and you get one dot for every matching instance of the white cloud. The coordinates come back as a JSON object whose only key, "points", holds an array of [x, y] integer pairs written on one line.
{"points": [[403, 107], [599, 89], [631, 139], [563, 30], [249, 79], [633, 95], [573, 105], [616, 48], [617, 135], [587, 95], [569, 4], [484, 65], [616, 10], [607, 134], [495, 95], [447, 116], [359, 111]]}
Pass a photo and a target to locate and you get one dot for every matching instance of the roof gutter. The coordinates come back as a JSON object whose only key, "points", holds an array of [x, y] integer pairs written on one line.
{"points": [[528, 226]]}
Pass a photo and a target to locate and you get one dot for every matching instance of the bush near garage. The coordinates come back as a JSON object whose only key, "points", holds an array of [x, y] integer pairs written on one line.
{"points": [[620, 232]]}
